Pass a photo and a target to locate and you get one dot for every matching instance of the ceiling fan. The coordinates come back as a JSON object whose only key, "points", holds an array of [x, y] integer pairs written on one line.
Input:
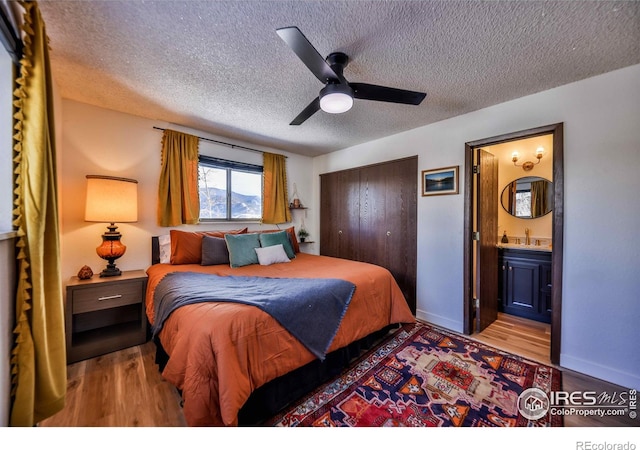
{"points": [[338, 94]]}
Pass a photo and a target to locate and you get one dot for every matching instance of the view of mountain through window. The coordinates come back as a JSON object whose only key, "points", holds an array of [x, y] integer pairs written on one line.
{"points": [[6, 149], [229, 194]]}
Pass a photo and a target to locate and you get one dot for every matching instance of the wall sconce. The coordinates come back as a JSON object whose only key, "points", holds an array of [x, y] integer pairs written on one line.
{"points": [[527, 165], [111, 199]]}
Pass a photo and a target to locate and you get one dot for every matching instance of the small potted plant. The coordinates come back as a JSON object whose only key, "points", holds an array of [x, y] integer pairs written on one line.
{"points": [[303, 234]]}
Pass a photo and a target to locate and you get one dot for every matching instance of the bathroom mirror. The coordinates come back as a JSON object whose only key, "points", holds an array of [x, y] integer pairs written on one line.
{"points": [[528, 197]]}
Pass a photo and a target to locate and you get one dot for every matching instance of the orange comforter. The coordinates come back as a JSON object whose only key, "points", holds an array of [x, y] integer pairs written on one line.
{"points": [[220, 352]]}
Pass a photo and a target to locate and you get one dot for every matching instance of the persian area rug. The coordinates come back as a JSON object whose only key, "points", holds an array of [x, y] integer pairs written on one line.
{"points": [[422, 376]]}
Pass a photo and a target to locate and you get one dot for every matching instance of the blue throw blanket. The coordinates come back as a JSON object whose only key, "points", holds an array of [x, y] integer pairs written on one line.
{"points": [[310, 309]]}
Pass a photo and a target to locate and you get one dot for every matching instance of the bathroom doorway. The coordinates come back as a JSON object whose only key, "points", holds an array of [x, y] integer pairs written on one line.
{"points": [[482, 225]]}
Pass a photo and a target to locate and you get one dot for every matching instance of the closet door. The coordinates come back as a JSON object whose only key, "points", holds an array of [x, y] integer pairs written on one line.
{"points": [[369, 214], [400, 227], [388, 221], [339, 214], [373, 211]]}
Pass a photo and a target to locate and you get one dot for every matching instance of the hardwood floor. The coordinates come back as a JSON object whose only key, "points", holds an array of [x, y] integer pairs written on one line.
{"points": [[119, 389], [532, 340], [125, 389], [523, 337]]}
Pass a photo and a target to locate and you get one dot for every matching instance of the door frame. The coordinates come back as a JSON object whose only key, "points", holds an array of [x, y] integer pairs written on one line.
{"points": [[557, 130]]}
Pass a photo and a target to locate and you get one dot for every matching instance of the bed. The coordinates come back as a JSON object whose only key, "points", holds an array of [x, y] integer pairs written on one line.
{"points": [[234, 363]]}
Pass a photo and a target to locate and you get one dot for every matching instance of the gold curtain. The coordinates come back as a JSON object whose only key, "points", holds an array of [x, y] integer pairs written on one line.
{"points": [[38, 359], [275, 200], [539, 197], [178, 198]]}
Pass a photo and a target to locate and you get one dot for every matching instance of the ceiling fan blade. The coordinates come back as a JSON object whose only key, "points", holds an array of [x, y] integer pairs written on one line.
{"points": [[301, 46], [365, 91], [309, 111]]}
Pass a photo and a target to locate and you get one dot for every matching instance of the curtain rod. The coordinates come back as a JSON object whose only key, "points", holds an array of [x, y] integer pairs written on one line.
{"points": [[223, 143]]}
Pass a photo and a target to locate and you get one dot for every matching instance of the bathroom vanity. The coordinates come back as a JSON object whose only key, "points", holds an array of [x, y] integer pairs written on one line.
{"points": [[524, 281]]}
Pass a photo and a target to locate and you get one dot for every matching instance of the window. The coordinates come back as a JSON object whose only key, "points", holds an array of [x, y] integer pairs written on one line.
{"points": [[6, 146], [229, 190], [523, 203]]}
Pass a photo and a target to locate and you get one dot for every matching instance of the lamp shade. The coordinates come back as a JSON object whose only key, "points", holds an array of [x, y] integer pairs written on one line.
{"points": [[111, 199]]}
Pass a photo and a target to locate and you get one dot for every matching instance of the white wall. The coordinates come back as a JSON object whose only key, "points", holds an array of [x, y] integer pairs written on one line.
{"points": [[601, 272], [7, 323], [104, 142]]}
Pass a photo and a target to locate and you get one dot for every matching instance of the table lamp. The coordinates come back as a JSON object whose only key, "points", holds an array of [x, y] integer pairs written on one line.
{"points": [[111, 199]]}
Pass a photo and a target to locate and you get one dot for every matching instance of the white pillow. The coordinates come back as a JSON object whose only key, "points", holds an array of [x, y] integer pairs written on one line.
{"points": [[164, 242], [271, 255]]}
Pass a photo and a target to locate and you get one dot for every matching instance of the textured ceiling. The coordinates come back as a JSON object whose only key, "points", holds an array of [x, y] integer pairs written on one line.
{"points": [[220, 67]]}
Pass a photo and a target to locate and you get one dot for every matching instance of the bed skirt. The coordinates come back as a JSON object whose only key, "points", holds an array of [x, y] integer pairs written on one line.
{"points": [[269, 399]]}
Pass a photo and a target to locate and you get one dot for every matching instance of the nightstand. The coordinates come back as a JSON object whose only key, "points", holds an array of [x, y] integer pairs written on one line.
{"points": [[103, 315]]}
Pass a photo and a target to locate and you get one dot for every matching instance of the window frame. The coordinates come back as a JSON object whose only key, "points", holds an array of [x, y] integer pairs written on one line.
{"points": [[10, 40], [231, 166], [13, 45], [521, 198]]}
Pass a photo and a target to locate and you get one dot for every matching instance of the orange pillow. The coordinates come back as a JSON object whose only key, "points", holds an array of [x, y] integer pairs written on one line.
{"points": [[186, 246], [292, 236]]}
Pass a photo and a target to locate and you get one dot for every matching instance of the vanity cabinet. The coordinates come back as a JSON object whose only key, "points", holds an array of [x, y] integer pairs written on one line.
{"points": [[525, 283]]}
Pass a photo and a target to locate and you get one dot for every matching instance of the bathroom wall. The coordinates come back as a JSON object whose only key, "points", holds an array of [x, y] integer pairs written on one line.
{"points": [[540, 228]]}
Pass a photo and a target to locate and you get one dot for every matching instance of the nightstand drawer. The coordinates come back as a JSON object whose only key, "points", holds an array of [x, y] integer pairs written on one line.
{"points": [[106, 297]]}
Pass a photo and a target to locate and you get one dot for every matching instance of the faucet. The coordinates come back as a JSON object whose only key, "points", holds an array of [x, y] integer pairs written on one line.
{"points": [[527, 240]]}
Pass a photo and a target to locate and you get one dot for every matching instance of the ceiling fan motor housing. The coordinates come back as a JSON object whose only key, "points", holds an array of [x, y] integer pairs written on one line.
{"points": [[337, 61]]}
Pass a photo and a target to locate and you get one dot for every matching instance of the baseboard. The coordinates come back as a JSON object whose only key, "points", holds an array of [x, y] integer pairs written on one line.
{"points": [[440, 321], [623, 379]]}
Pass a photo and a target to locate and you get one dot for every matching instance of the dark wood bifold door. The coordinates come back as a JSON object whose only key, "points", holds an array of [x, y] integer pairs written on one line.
{"points": [[340, 214], [369, 214]]}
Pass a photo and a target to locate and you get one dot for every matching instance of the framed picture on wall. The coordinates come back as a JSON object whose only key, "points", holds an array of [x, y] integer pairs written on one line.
{"points": [[440, 181]]}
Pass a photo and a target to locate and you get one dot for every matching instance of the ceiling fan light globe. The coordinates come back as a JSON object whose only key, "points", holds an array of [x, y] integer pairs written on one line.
{"points": [[336, 99], [336, 103]]}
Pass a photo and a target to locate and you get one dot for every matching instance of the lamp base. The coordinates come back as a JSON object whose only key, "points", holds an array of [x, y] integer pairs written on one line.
{"points": [[111, 249], [110, 271]]}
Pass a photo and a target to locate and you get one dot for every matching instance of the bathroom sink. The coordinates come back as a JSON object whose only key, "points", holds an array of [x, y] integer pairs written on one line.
{"points": [[531, 247]]}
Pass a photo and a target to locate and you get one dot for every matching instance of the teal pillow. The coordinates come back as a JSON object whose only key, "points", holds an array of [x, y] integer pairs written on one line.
{"points": [[279, 237], [242, 249]]}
